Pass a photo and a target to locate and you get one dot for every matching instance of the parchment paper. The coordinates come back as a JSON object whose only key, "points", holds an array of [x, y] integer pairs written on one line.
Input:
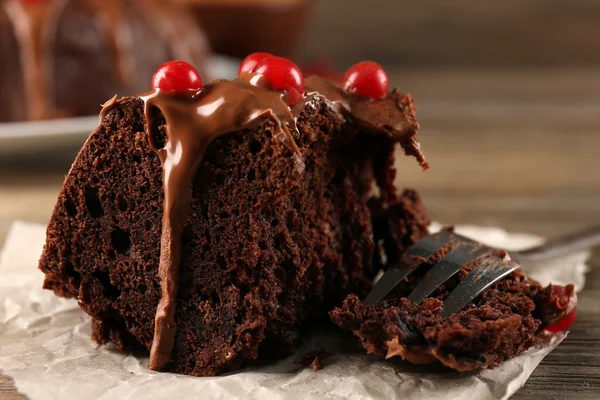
{"points": [[45, 347]]}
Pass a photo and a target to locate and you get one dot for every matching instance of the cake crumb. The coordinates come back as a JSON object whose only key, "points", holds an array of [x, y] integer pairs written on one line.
{"points": [[313, 359]]}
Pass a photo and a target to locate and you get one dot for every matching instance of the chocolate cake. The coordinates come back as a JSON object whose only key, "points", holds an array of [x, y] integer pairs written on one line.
{"points": [[207, 227], [52, 49], [505, 320]]}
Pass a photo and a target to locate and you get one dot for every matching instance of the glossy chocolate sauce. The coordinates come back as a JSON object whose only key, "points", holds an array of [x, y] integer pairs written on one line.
{"points": [[393, 116], [222, 107]]}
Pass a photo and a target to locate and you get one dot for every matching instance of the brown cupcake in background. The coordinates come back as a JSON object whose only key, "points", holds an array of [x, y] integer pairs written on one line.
{"points": [[66, 58]]}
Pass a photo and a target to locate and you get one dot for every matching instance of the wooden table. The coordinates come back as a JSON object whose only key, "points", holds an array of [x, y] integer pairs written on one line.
{"points": [[519, 150]]}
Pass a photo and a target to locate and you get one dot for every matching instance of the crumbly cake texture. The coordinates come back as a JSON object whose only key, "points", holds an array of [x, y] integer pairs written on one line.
{"points": [[266, 244], [314, 359], [504, 321]]}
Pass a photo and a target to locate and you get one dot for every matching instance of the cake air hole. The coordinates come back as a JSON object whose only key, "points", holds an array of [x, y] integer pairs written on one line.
{"points": [[121, 241], [109, 290], [338, 177], [93, 203], [158, 136], [121, 203], [186, 236], [70, 270], [255, 146], [70, 207]]}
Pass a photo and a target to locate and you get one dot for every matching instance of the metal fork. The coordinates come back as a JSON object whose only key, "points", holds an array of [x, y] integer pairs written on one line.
{"points": [[493, 265]]}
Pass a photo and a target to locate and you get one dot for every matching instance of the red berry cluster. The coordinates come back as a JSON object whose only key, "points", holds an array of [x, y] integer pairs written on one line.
{"points": [[367, 78], [281, 73]]}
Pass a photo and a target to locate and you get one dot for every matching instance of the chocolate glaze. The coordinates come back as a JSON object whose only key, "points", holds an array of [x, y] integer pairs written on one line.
{"points": [[393, 116], [222, 107]]}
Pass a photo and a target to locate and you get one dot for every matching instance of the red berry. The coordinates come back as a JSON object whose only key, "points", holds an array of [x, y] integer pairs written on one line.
{"points": [[568, 300], [250, 62], [283, 75], [368, 79], [565, 323], [177, 77]]}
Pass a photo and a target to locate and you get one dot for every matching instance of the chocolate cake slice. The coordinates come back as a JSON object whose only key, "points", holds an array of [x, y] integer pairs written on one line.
{"points": [[206, 228], [505, 320]]}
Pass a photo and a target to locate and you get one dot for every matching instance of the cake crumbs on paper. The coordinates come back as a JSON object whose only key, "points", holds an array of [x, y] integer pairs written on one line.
{"points": [[313, 359]]}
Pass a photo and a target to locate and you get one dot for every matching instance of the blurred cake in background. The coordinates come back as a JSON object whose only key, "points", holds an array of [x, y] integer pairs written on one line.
{"points": [[240, 27], [64, 58]]}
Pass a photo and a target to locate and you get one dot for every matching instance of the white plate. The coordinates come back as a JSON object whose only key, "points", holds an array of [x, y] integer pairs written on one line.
{"points": [[31, 137]]}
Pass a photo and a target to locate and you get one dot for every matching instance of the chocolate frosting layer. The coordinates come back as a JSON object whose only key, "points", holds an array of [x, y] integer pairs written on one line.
{"points": [[222, 107], [393, 116]]}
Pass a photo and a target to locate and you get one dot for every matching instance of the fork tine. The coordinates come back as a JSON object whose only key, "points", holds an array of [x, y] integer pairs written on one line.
{"points": [[425, 247], [458, 257], [490, 271], [390, 279], [428, 245]]}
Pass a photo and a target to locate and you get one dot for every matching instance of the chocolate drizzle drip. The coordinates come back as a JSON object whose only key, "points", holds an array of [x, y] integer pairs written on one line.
{"points": [[222, 107], [191, 125]]}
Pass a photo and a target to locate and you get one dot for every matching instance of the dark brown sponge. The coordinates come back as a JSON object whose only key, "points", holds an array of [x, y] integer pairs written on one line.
{"points": [[266, 245]]}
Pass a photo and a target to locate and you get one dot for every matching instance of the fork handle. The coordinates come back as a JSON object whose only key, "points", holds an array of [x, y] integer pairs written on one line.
{"points": [[561, 246]]}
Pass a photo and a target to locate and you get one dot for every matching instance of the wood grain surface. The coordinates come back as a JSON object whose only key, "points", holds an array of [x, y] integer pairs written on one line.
{"points": [[462, 33], [517, 149]]}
